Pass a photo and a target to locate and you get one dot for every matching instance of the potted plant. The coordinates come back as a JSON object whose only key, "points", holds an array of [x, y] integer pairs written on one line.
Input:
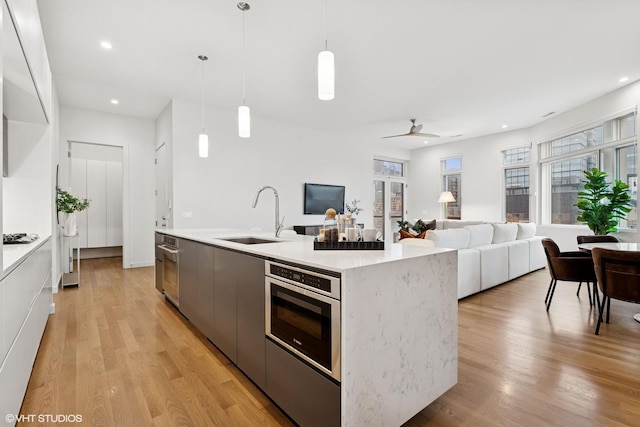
{"points": [[69, 204], [601, 204], [353, 210]]}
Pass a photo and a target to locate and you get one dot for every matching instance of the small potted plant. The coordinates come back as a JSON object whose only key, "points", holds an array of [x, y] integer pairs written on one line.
{"points": [[353, 210], [69, 204], [601, 204]]}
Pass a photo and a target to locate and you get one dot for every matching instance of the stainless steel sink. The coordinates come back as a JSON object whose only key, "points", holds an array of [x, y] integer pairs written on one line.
{"points": [[251, 240]]}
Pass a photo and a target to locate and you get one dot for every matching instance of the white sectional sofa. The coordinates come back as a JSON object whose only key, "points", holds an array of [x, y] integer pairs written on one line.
{"points": [[489, 253]]}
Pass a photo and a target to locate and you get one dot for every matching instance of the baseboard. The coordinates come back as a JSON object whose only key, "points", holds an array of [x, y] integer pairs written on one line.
{"points": [[141, 264]]}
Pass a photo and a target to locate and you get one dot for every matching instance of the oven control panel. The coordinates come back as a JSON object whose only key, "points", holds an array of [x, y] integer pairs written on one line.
{"points": [[326, 284]]}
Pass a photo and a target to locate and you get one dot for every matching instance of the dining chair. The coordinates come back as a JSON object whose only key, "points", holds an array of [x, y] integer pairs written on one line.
{"points": [[573, 266], [594, 239], [618, 274]]}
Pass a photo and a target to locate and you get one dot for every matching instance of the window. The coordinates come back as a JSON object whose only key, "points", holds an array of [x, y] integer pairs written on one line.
{"points": [[516, 184], [388, 168], [517, 194], [389, 192], [452, 181], [610, 146]]}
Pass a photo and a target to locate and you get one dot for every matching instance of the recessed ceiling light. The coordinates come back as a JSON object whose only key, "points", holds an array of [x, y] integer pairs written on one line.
{"points": [[426, 142], [115, 101], [106, 45], [623, 79], [504, 126]]}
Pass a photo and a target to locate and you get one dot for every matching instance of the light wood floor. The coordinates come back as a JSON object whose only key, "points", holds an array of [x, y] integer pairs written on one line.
{"points": [[116, 353]]}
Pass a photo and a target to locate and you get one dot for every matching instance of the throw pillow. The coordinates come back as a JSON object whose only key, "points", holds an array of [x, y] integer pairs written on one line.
{"points": [[504, 232], [480, 235], [526, 230], [407, 235]]}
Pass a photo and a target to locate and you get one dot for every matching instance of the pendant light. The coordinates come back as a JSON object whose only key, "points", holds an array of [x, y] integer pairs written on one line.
{"points": [[244, 114], [326, 71], [203, 139]]}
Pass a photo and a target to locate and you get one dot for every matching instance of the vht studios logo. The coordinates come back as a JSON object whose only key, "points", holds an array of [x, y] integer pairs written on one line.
{"points": [[44, 418]]}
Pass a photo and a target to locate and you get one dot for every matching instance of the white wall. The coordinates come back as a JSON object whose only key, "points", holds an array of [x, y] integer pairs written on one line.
{"points": [[27, 189], [217, 191], [136, 137], [482, 176]]}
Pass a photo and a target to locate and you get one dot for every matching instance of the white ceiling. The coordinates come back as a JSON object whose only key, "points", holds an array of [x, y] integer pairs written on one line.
{"points": [[458, 66]]}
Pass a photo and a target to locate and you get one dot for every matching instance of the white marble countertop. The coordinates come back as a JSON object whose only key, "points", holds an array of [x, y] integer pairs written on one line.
{"points": [[299, 249], [13, 255]]}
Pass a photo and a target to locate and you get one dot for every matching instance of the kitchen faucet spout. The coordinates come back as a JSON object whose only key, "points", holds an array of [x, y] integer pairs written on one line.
{"points": [[277, 213]]}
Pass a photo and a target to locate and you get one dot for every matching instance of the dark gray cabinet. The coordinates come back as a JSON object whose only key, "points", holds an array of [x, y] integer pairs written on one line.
{"points": [[239, 311], [222, 294], [250, 295], [204, 317], [225, 265], [187, 277], [307, 396]]}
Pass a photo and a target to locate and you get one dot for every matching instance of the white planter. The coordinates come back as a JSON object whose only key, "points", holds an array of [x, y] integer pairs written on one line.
{"points": [[70, 225]]}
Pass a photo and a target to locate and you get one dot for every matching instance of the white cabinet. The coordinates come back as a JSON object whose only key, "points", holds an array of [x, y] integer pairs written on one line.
{"points": [[97, 211], [114, 203], [99, 181], [79, 189]]}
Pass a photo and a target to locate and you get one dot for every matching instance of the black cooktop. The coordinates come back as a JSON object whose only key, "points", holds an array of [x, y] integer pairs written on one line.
{"points": [[17, 238]]}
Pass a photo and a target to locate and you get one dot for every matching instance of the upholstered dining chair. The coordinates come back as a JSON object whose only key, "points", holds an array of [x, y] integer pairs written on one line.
{"points": [[594, 239], [574, 266], [618, 274]]}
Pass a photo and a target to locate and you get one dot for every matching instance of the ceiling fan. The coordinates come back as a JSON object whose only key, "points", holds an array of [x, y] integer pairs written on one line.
{"points": [[415, 131]]}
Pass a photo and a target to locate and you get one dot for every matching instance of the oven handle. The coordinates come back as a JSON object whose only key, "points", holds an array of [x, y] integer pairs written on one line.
{"points": [[170, 253], [300, 290]]}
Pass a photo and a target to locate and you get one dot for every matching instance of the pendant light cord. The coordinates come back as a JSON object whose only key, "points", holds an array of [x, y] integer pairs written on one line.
{"points": [[326, 18], [244, 59], [202, 59]]}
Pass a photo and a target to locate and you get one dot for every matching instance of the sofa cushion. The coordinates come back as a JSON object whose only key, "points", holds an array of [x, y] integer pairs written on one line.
{"points": [[504, 232], [468, 272], [480, 235], [537, 258], [494, 265], [525, 230], [518, 258], [457, 238]]}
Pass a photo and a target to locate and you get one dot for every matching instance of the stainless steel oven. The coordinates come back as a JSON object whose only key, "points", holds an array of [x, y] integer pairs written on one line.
{"points": [[303, 314], [170, 276]]}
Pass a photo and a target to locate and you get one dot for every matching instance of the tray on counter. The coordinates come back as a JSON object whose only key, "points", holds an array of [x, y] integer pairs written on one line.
{"points": [[377, 245]]}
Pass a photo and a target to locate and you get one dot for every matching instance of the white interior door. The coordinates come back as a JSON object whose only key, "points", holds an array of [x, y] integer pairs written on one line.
{"points": [[163, 209]]}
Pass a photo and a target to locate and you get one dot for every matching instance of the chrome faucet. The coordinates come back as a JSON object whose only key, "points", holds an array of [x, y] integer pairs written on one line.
{"points": [[275, 193]]}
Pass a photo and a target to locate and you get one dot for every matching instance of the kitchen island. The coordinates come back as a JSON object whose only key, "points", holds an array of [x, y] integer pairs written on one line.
{"points": [[397, 322]]}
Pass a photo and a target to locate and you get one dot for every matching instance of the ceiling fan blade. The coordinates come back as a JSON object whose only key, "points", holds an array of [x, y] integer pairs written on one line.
{"points": [[395, 136], [426, 135]]}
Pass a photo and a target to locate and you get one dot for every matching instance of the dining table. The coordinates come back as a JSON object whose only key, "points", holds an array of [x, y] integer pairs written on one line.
{"points": [[619, 246]]}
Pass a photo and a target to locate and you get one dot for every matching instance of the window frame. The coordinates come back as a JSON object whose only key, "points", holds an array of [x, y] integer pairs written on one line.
{"points": [[444, 173], [612, 141]]}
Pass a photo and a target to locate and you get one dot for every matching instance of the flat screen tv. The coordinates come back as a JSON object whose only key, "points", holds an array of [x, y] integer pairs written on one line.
{"points": [[320, 197]]}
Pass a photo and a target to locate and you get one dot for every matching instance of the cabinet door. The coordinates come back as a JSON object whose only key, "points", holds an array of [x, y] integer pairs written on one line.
{"points": [[97, 211], [204, 318], [187, 280], [225, 330], [251, 322], [114, 203], [79, 189]]}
